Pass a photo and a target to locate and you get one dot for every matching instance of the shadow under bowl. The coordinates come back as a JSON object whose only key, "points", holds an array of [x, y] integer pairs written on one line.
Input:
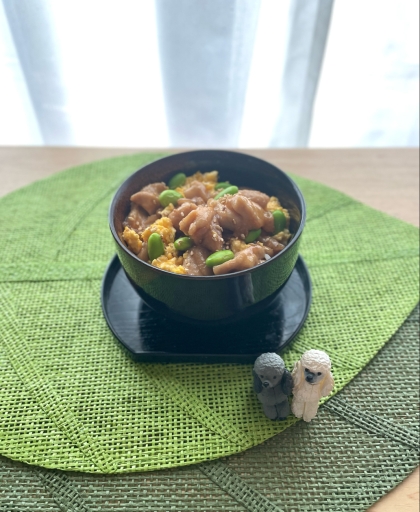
{"points": [[211, 299]]}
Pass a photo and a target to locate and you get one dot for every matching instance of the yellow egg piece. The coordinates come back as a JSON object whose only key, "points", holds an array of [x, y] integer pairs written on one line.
{"points": [[163, 227]]}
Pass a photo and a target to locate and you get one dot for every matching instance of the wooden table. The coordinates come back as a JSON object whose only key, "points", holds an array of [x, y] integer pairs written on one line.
{"points": [[386, 179]]}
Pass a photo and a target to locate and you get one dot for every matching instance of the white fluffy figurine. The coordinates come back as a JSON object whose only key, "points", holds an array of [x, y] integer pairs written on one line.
{"points": [[312, 379]]}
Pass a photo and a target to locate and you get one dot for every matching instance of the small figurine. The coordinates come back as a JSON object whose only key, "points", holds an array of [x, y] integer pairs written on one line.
{"points": [[312, 379], [272, 383]]}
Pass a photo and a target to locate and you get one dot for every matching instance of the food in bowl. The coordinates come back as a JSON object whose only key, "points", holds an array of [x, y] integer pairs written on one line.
{"points": [[200, 226], [210, 298]]}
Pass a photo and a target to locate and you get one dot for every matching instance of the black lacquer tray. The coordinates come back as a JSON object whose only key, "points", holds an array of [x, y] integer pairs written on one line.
{"points": [[150, 336]]}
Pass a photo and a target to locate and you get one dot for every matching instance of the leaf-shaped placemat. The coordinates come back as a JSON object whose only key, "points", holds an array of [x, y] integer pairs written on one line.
{"points": [[71, 399]]}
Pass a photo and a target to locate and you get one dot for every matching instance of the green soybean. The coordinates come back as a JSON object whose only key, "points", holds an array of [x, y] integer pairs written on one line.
{"points": [[222, 184], [184, 243], [279, 221], [219, 257], [252, 235], [169, 196], [177, 181], [230, 190], [155, 246]]}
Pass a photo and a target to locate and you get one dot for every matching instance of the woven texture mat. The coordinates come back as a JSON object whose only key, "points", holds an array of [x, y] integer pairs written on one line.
{"points": [[358, 448], [71, 399]]}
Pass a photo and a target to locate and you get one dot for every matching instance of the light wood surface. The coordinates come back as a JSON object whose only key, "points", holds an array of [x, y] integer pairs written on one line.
{"points": [[385, 178]]}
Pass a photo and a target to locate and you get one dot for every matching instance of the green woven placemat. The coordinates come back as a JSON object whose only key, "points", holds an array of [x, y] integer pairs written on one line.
{"points": [[71, 399], [358, 448]]}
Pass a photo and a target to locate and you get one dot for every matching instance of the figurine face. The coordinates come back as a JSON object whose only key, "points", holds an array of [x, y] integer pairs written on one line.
{"points": [[312, 376], [270, 377]]}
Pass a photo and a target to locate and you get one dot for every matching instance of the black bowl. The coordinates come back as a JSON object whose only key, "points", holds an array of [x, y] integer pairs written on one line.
{"points": [[211, 299]]}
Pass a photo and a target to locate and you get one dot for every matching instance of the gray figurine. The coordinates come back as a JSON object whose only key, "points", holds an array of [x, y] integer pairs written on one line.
{"points": [[273, 384]]}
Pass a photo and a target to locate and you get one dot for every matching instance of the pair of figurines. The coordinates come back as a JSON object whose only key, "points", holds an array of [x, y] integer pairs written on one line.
{"points": [[310, 380]]}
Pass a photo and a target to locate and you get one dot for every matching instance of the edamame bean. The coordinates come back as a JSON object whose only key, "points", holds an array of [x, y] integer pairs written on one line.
{"points": [[252, 235], [219, 257], [230, 190], [222, 184], [183, 243], [279, 221], [177, 181], [155, 246], [169, 196]]}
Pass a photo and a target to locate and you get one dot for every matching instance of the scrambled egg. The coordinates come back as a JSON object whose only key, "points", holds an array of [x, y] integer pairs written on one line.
{"points": [[166, 211], [274, 204], [237, 245], [132, 239], [163, 227], [208, 178], [283, 236], [170, 264], [169, 261], [170, 251]]}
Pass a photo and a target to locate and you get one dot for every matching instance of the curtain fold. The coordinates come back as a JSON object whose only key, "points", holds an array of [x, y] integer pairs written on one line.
{"points": [[34, 39], [205, 52], [309, 25], [17, 117]]}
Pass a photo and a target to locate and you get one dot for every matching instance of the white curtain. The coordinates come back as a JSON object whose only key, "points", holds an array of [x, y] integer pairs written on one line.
{"points": [[209, 73]]}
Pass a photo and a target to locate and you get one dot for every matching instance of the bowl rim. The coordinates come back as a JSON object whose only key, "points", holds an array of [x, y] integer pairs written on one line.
{"points": [[296, 235]]}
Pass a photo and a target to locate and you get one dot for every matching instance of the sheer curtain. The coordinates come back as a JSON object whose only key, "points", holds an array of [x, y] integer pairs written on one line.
{"points": [[368, 92], [209, 73]]}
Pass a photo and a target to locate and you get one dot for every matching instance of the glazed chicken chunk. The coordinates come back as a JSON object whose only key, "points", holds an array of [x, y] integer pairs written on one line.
{"points": [[196, 189], [179, 214], [195, 261], [202, 226], [247, 258], [272, 246], [138, 220], [239, 214], [255, 196], [148, 197]]}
